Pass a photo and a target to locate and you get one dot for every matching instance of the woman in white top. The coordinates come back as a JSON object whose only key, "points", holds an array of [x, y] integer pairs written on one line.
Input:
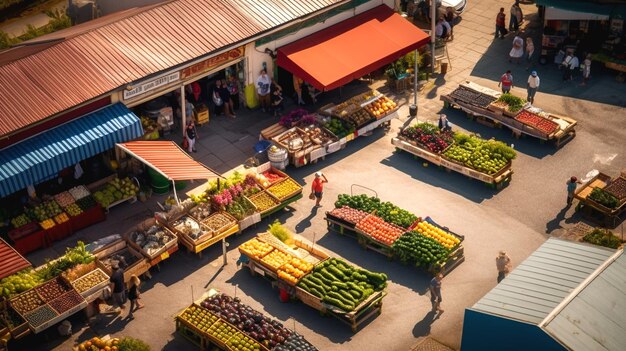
{"points": [[518, 49], [586, 68]]}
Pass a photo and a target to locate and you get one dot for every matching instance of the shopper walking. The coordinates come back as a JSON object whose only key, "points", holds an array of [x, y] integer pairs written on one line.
{"points": [[263, 84], [317, 188], [233, 90], [530, 50], [117, 286], [503, 264], [191, 134], [586, 69], [224, 94], [435, 292], [134, 295], [506, 81], [532, 86], [500, 24], [513, 23], [218, 103], [297, 87], [517, 51], [571, 189]]}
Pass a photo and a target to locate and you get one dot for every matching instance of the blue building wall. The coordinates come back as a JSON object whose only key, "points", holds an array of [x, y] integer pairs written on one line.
{"points": [[482, 331]]}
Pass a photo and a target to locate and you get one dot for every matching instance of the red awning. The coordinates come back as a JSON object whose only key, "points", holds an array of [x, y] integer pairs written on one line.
{"points": [[350, 49], [10, 260], [168, 159]]}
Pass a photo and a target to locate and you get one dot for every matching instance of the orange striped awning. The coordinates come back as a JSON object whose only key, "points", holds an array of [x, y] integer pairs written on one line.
{"points": [[167, 158]]}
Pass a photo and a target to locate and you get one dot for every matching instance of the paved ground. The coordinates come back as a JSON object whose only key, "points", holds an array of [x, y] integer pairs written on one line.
{"points": [[516, 218]]}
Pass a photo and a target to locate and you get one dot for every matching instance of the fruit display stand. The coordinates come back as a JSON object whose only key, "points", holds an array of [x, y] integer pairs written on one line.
{"points": [[477, 102], [117, 249], [305, 144], [12, 322], [497, 179], [27, 238], [596, 211]]}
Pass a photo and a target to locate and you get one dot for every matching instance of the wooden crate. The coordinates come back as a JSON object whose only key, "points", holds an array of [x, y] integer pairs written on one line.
{"points": [[309, 300], [138, 268], [270, 132]]}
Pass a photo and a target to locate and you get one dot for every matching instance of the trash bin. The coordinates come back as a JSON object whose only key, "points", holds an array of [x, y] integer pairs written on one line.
{"points": [[413, 110], [444, 67]]}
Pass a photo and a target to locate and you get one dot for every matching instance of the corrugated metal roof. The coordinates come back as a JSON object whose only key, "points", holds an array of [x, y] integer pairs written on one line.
{"points": [[10, 260], [596, 318], [168, 159], [540, 283], [88, 64]]}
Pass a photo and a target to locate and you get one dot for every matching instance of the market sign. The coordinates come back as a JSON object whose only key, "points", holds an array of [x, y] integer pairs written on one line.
{"points": [[212, 62], [144, 87]]}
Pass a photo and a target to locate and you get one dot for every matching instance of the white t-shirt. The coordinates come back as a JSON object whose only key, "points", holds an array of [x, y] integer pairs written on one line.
{"points": [[573, 64], [533, 82], [263, 84]]}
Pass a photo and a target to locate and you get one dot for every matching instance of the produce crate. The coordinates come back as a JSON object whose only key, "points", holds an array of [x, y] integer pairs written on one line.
{"points": [[297, 190], [270, 209], [142, 227], [310, 300], [183, 237], [250, 220], [232, 222], [270, 132], [138, 268], [201, 246], [164, 255], [599, 181], [95, 288], [415, 149], [454, 259]]}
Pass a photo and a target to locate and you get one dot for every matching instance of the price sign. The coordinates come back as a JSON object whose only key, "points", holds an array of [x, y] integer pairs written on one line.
{"points": [[165, 255]]}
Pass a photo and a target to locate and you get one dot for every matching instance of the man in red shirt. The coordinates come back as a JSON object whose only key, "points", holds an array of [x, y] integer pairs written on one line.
{"points": [[500, 26], [317, 188], [506, 81]]}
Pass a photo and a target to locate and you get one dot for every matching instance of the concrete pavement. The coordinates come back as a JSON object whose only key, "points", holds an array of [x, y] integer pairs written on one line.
{"points": [[514, 219]]}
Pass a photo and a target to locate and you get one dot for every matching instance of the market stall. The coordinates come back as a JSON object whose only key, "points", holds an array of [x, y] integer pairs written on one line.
{"points": [[116, 249], [166, 159], [489, 161], [495, 109], [219, 321], [603, 199], [304, 272], [308, 137], [396, 233], [55, 219]]}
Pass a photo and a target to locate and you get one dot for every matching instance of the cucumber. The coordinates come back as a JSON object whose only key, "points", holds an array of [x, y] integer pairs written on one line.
{"points": [[341, 285], [355, 294], [338, 303], [314, 279], [355, 286], [316, 293], [340, 297], [347, 296], [336, 272], [328, 275], [321, 277]]}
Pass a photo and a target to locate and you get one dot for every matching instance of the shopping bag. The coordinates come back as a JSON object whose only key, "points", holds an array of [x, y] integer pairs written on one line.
{"points": [[312, 196], [185, 143]]}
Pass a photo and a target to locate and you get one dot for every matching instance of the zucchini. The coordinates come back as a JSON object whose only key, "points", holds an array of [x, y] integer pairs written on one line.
{"points": [[328, 275], [358, 276], [316, 293], [354, 286], [355, 294], [340, 297], [341, 285], [347, 296], [338, 303], [319, 276], [336, 272], [314, 279]]}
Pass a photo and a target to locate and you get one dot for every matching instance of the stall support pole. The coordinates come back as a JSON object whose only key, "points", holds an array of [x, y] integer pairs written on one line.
{"points": [[183, 113], [175, 195], [415, 72], [433, 37], [224, 251]]}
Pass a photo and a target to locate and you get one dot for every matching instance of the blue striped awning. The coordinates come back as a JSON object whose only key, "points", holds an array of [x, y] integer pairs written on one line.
{"points": [[41, 157]]}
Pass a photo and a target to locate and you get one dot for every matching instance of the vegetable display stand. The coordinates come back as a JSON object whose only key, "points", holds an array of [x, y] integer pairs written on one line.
{"points": [[130, 200], [197, 248], [26, 242], [138, 265], [87, 218], [497, 180], [366, 242], [594, 210], [476, 101]]}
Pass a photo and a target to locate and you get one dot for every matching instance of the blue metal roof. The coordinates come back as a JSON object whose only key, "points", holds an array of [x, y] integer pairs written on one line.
{"points": [[39, 158], [540, 283], [596, 318]]}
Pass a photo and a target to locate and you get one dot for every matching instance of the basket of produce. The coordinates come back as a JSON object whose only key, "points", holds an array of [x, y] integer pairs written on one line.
{"points": [[151, 239], [219, 222], [344, 109], [389, 212], [421, 250], [201, 212], [275, 259], [91, 282], [359, 118], [64, 199], [86, 202], [508, 104], [427, 136], [40, 318], [285, 189], [617, 188], [52, 289], [340, 128], [381, 107], [67, 303], [46, 210], [270, 177], [379, 230], [127, 258], [191, 230], [347, 216], [318, 135], [542, 124], [263, 201], [486, 156], [603, 199], [255, 248], [26, 301], [293, 270], [341, 286], [79, 192]]}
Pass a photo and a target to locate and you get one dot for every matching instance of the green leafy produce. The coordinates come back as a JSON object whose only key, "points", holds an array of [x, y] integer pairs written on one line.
{"points": [[279, 231], [337, 283], [73, 257], [386, 210], [515, 103], [487, 156], [418, 249], [603, 198], [602, 238], [132, 344]]}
